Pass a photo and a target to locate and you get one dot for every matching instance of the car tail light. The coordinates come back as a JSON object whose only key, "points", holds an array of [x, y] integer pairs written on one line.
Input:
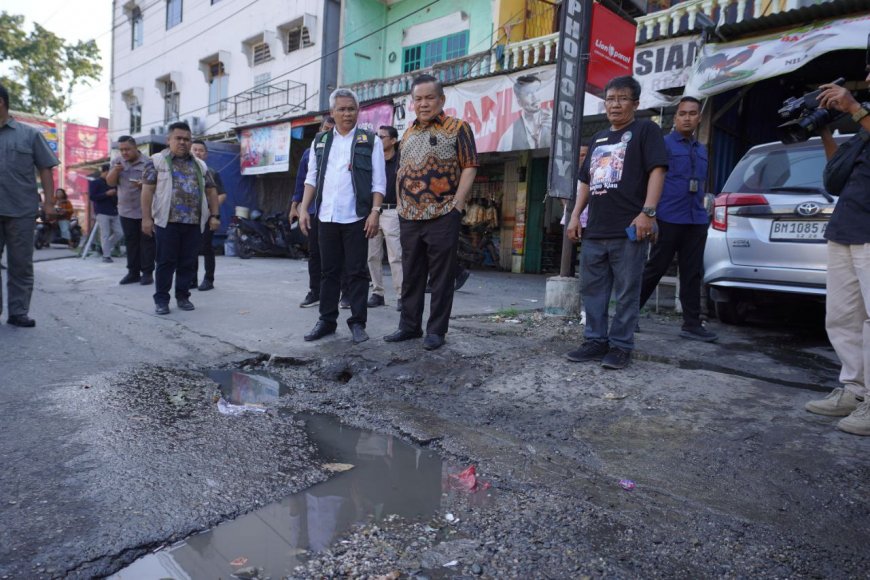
{"points": [[724, 201]]}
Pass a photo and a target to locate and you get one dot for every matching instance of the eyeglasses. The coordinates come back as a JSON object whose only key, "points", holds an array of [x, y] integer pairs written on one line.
{"points": [[621, 100]]}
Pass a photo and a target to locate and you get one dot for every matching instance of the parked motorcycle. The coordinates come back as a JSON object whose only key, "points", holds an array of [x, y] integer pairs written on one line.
{"points": [[47, 232], [270, 236]]}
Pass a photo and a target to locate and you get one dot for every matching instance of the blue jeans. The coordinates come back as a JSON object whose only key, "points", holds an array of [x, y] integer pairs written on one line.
{"points": [[612, 267]]}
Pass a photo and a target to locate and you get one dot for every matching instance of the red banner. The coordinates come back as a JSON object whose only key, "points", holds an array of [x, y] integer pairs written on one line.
{"points": [[611, 47], [82, 144]]}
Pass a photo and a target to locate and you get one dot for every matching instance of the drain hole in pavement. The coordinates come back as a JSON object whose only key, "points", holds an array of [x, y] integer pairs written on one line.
{"points": [[344, 376], [375, 476]]}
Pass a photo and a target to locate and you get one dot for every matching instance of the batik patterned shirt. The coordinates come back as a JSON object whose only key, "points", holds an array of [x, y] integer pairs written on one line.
{"points": [[186, 205], [432, 161]]}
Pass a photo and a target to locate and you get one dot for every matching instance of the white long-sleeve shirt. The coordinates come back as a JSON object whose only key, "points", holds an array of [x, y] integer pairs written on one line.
{"points": [[337, 203]]}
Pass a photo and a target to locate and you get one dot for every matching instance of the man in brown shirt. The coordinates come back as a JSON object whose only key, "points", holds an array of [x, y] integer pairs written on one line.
{"points": [[437, 169]]}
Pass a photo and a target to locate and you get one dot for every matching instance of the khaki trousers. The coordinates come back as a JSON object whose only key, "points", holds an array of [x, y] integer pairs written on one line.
{"points": [[847, 317], [389, 231]]}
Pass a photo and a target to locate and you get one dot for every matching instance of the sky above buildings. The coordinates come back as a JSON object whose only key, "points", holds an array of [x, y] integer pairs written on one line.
{"points": [[76, 20]]}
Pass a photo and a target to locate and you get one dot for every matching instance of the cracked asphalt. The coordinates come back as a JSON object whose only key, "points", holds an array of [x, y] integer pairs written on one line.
{"points": [[111, 446]]}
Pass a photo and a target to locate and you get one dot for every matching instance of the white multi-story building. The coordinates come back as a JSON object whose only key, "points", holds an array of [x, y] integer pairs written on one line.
{"points": [[219, 64]]}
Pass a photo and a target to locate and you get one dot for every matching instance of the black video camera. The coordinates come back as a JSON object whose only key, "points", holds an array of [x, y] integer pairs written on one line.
{"points": [[806, 116]]}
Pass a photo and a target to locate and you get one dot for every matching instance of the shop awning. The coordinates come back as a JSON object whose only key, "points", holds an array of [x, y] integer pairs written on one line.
{"points": [[725, 66]]}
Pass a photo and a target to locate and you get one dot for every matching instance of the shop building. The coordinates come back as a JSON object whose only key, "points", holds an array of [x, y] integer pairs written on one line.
{"points": [[744, 58], [497, 62], [219, 64]]}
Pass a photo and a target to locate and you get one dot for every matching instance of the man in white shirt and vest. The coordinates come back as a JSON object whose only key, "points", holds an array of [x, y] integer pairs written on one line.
{"points": [[346, 182]]}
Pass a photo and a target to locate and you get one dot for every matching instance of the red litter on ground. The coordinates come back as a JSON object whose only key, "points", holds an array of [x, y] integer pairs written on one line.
{"points": [[239, 561], [467, 481], [627, 484]]}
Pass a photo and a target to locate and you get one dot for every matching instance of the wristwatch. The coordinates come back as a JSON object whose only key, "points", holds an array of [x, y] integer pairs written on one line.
{"points": [[861, 113], [378, 209], [214, 217], [649, 211]]}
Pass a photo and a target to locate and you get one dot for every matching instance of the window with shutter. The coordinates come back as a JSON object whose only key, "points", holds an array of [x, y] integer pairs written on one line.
{"points": [[262, 53]]}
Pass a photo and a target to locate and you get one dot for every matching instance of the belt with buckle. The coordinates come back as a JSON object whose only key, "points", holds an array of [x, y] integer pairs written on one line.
{"points": [[388, 206]]}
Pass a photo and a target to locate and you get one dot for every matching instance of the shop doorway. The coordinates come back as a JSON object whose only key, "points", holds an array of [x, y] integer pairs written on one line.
{"points": [[535, 210]]}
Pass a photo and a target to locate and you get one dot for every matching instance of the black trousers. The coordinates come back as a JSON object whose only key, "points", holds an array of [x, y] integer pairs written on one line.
{"points": [[314, 268], [687, 241], [429, 253], [177, 250], [141, 249], [207, 251], [344, 247]]}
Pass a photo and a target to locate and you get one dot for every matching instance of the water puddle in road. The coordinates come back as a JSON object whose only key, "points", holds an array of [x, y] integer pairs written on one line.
{"points": [[388, 476]]}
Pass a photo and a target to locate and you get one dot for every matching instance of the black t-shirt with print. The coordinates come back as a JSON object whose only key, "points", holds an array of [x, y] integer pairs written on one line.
{"points": [[617, 170]]}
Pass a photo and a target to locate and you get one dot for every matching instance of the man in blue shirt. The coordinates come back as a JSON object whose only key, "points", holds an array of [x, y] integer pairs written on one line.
{"points": [[682, 219], [105, 200]]}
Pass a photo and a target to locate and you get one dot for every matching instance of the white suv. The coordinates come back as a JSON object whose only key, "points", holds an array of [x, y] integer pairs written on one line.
{"points": [[767, 235]]}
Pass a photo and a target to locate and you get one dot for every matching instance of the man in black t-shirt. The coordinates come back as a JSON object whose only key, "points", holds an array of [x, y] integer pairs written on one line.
{"points": [[847, 308], [621, 180]]}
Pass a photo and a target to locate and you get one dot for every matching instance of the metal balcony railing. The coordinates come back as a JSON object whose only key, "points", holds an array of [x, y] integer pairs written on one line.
{"points": [[502, 58], [683, 16], [282, 97]]}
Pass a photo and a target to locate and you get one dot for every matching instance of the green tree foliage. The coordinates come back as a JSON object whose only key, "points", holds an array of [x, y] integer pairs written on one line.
{"points": [[44, 67]]}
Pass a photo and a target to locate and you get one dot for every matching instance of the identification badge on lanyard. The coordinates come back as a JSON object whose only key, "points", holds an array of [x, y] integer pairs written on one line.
{"points": [[693, 185]]}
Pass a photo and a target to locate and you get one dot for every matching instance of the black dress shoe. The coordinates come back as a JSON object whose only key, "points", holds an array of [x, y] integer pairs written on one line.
{"points": [[130, 278], [21, 320], [320, 330], [359, 333], [344, 304], [403, 334], [161, 308], [185, 304], [147, 279], [375, 300], [433, 341], [206, 285]]}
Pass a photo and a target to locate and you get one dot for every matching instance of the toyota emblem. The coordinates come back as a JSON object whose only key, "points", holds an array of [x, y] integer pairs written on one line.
{"points": [[808, 208]]}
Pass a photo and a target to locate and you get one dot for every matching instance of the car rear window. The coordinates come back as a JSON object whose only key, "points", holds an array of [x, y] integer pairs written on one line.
{"points": [[760, 171]]}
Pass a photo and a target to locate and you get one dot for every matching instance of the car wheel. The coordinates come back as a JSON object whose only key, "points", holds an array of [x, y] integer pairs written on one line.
{"points": [[731, 312]]}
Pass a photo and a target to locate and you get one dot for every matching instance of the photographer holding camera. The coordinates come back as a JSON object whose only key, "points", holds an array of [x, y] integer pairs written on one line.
{"points": [[847, 318]]}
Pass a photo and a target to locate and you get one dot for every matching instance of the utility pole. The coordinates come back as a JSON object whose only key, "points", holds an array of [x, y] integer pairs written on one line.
{"points": [[572, 63]]}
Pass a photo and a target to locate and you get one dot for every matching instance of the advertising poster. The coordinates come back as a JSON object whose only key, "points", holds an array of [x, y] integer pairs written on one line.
{"points": [[721, 67], [506, 113], [611, 47], [375, 116], [48, 130], [664, 65], [265, 149]]}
